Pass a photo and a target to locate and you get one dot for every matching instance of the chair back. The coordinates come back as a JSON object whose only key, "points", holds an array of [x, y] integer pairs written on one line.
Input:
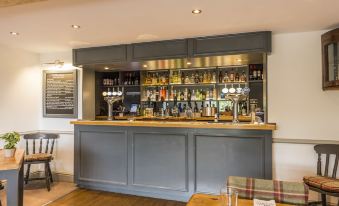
{"points": [[281, 191], [48, 138], [328, 150]]}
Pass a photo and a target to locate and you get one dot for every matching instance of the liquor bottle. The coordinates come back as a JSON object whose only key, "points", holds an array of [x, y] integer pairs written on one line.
{"points": [[243, 77], [201, 78], [259, 74], [204, 77], [226, 78], [196, 78], [203, 95], [192, 81], [185, 94], [214, 94], [214, 77], [195, 110], [184, 109], [136, 82], [187, 80], [126, 80], [154, 80], [197, 95], [232, 76], [189, 95], [179, 108], [209, 77], [175, 96], [182, 96], [182, 78], [221, 78], [250, 72], [255, 76], [237, 77], [193, 95], [157, 95]]}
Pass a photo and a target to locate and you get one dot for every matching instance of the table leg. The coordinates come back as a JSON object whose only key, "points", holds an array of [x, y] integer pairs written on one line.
{"points": [[14, 185]]}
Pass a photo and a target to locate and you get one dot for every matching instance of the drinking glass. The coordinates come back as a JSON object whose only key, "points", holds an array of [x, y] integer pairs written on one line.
{"points": [[228, 196]]}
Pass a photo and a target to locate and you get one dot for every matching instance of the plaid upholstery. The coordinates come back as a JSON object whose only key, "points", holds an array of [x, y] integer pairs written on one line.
{"points": [[280, 191], [38, 157], [324, 183]]}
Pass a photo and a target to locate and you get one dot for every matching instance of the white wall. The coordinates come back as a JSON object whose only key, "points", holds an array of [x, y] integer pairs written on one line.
{"points": [[296, 101], [20, 90]]}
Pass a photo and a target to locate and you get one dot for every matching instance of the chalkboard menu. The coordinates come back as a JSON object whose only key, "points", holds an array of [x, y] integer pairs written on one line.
{"points": [[60, 94]]}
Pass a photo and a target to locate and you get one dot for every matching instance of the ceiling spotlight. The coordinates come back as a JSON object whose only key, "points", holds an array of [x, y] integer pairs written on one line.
{"points": [[106, 68], [188, 63], [196, 11], [75, 26], [145, 66], [14, 33], [239, 60]]}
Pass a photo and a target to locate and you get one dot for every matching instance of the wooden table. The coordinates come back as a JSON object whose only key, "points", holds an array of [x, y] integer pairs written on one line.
{"points": [[213, 200], [12, 170]]}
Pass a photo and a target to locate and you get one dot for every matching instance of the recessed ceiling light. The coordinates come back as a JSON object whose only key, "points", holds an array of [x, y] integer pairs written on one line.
{"points": [[239, 60], [106, 68], [145, 66], [196, 11], [75, 26], [14, 33], [188, 63]]}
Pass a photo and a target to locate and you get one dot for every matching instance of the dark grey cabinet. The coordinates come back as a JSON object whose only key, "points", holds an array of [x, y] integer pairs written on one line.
{"points": [[100, 55], [170, 163], [171, 49], [160, 50], [232, 44]]}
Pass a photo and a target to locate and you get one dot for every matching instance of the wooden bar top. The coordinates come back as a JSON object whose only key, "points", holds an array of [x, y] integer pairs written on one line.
{"points": [[214, 200], [180, 124], [12, 163]]}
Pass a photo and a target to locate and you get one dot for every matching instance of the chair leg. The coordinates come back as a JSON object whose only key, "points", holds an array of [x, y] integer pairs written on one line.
{"points": [[50, 172], [27, 173], [323, 199], [47, 177]]}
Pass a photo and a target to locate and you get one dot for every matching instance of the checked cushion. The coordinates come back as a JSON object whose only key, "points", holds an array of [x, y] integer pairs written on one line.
{"points": [[324, 183], [295, 193]]}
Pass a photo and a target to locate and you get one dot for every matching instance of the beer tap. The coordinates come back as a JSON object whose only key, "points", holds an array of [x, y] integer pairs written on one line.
{"points": [[111, 98]]}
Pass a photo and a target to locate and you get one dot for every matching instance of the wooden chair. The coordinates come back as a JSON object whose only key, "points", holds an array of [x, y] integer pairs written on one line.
{"points": [[294, 193], [325, 184], [40, 156]]}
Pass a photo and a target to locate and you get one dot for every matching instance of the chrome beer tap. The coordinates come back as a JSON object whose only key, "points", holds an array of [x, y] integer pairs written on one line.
{"points": [[111, 98]]}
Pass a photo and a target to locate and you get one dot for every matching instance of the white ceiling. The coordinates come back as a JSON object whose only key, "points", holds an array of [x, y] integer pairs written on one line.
{"points": [[46, 26]]}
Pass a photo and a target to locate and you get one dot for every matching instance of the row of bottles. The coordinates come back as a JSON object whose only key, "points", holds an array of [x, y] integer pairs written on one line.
{"points": [[131, 78], [193, 95], [156, 78], [162, 94], [110, 81], [193, 77], [256, 72], [232, 76]]}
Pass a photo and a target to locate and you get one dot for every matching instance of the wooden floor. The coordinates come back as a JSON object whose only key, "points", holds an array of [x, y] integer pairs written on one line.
{"points": [[83, 197]]}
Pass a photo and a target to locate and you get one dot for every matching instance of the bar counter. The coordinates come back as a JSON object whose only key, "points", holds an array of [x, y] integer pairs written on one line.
{"points": [[170, 160], [177, 124]]}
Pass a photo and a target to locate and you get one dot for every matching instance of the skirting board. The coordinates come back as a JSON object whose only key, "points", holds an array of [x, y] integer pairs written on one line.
{"points": [[59, 177]]}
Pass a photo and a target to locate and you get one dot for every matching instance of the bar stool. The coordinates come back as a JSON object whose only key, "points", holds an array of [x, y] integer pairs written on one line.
{"points": [[41, 156]]}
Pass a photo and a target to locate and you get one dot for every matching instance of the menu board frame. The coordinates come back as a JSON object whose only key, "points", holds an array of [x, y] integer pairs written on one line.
{"points": [[75, 94]]}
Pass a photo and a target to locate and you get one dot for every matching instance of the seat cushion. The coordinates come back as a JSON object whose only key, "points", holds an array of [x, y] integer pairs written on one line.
{"points": [[38, 157], [324, 183], [295, 193]]}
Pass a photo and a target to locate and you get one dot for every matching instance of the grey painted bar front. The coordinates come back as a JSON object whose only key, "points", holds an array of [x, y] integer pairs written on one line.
{"points": [[170, 163]]}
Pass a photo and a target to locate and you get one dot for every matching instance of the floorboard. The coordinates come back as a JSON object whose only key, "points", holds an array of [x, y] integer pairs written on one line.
{"points": [[84, 197]]}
